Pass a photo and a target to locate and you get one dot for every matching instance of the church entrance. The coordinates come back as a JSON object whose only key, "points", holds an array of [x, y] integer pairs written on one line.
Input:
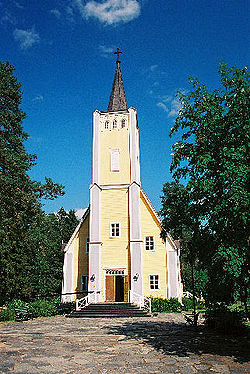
{"points": [[116, 288]]}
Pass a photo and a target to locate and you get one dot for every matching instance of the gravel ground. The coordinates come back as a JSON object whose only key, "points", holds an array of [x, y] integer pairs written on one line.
{"points": [[162, 344]]}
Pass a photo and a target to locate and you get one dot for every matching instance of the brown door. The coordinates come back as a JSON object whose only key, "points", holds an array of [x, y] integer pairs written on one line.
{"points": [[110, 288], [126, 288]]}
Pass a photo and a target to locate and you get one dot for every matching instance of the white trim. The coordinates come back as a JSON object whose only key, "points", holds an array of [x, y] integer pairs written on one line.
{"points": [[149, 236], [114, 186], [110, 230], [153, 275], [151, 205], [76, 229], [96, 147]]}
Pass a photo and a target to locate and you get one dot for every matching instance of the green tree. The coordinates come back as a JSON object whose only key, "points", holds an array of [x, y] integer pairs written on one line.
{"points": [[212, 156], [19, 195]]}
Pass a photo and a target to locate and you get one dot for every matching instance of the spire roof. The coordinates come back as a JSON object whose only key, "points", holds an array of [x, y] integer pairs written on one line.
{"points": [[117, 100]]}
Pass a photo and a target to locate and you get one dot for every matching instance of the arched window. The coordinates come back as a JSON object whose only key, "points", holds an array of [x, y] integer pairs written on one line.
{"points": [[123, 123], [106, 126], [114, 124]]}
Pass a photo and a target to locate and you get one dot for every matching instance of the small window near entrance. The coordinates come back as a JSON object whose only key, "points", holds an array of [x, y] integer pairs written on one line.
{"points": [[87, 245], [154, 282], [114, 230], [149, 243], [84, 283]]}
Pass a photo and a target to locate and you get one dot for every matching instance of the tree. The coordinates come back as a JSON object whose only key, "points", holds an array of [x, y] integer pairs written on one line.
{"points": [[212, 157], [19, 195]]}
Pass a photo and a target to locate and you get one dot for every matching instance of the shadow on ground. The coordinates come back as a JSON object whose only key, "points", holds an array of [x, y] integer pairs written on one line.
{"points": [[180, 340]]}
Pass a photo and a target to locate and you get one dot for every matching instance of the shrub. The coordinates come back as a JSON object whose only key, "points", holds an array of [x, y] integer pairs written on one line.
{"points": [[165, 305], [224, 320], [7, 314], [41, 308]]}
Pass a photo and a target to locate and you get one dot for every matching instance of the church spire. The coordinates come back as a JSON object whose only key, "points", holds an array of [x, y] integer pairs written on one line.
{"points": [[117, 100]]}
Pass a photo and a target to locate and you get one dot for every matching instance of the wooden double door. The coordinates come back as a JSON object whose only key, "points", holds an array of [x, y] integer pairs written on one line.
{"points": [[116, 288]]}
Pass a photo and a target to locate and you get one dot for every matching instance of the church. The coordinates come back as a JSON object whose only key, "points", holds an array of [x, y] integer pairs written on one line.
{"points": [[116, 253]]}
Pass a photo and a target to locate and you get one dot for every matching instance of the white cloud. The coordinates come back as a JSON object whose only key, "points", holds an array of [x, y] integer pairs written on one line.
{"points": [[153, 67], [170, 105], [163, 106], [175, 108], [56, 13], [38, 98], [106, 51], [7, 18], [109, 12], [80, 212], [26, 38], [18, 5]]}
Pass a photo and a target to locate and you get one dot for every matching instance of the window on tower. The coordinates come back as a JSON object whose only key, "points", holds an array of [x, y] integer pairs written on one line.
{"points": [[115, 159], [123, 123], [115, 124], [106, 126], [114, 230]]}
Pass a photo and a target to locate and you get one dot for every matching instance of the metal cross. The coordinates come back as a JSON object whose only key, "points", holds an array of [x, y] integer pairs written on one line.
{"points": [[117, 53]]}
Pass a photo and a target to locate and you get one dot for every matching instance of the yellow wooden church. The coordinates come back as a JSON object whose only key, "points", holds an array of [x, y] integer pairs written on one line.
{"points": [[116, 252]]}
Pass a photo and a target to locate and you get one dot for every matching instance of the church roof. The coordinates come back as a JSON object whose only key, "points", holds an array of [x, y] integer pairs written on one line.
{"points": [[117, 100]]}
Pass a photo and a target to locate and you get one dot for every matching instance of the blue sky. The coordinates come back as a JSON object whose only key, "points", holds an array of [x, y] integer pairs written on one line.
{"points": [[63, 54]]}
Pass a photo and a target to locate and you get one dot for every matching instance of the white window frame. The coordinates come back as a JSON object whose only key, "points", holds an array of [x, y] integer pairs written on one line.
{"points": [[154, 275], [123, 123], [110, 229], [145, 246], [106, 125], [87, 281], [115, 124], [115, 160], [86, 245]]}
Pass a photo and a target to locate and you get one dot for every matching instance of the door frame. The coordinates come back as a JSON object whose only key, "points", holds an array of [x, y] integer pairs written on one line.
{"points": [[113, 270]]}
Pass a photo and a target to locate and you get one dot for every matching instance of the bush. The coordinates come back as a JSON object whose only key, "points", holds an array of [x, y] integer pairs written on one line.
{"points": [[41, 308], [7, 314], [165, 305], [224, 320], [187, 304]]}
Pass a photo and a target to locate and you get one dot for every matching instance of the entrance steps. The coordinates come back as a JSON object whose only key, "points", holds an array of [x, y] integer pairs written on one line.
{"points": [[109, 310]]}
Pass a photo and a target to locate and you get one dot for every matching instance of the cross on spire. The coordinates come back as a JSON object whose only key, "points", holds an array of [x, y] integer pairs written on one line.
{"points": [[117, 53]]}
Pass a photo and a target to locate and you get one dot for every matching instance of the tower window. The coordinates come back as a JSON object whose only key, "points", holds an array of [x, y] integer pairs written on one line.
{"points": [[154, 282], [114, 124], [106, 126], [115, 159], [149, 243], [84, 283], [123, 123], [114, 230], [87, 245]]}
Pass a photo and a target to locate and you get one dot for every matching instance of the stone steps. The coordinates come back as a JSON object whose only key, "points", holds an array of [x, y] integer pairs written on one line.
{"points": [[109, 310]]}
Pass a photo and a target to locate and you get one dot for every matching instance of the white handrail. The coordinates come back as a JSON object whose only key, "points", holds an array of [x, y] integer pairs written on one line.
{"points": [[82, 303], [141, 301]]}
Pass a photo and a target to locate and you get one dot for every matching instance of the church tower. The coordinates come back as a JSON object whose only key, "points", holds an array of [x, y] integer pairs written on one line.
{"points": [[116, 253], [115, 229]]}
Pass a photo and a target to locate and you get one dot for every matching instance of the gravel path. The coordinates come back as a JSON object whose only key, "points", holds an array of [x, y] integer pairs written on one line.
{"points": [[160, 344]]}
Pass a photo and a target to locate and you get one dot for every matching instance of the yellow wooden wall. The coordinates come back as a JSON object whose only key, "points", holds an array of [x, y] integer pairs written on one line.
{"points": [[154, 262], [114, 209], [81, 258], [114, 139]]}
